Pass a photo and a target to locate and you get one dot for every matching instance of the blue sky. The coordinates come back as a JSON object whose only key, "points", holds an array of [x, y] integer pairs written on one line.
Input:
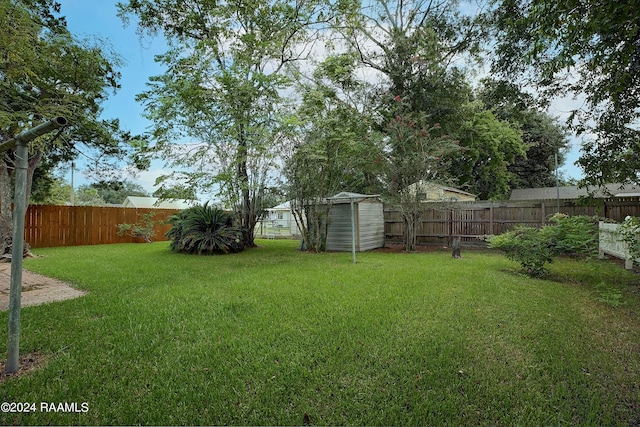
{"points": [[89, 18], [97, 18]]}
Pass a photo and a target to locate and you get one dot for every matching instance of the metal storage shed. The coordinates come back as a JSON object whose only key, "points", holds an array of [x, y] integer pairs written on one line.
{"points": [[367, 216]]}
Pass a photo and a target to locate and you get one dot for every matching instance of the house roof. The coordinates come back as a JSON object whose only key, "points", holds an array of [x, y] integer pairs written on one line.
{"points": [[429, 185], [153, 202], [457, 190], [547, 193], [286, 206]]}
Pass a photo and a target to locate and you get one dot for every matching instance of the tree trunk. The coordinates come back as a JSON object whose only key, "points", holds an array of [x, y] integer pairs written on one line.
{"points": [[246, 204], [314, 230], [34, 161], [6, 217], [410, 225], [6, 202], [245, 219]]}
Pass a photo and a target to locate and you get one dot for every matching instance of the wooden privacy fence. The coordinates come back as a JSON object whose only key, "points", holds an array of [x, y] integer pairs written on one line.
{"points": [[472, 220], [93, 225], [47, 226]]}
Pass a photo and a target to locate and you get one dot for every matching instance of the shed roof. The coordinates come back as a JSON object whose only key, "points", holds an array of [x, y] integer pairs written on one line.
{"points": [[346, 197], [566, 192]]}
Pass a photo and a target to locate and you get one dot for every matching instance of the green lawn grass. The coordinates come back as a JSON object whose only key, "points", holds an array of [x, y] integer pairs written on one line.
{"points": [[271, 334]]}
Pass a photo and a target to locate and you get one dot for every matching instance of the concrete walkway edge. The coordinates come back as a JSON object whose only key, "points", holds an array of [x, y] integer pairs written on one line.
{"points": [[36, 289]]}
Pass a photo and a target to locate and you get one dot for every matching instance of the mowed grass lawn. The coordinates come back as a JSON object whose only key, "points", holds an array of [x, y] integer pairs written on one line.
{"points": [[271, 334]]}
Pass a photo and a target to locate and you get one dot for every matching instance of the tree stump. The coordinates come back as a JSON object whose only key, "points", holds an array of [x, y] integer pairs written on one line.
{"points": [[6, 251], [456, 248]]}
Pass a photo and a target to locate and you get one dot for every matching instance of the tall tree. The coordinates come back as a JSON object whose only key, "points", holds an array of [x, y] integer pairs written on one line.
{"points": [[489, 147], [414, 47], [44, 73], [57, 192], [114, 192], [544, 137], [222, 88], [583, 48], [386, 34], [417, 154], [336, 148]]}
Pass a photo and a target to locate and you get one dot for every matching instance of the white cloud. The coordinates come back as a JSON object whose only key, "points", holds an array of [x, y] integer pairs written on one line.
{"points": [[147, 179], [562, 108]]}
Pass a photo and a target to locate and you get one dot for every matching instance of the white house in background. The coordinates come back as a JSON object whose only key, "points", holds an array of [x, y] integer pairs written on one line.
{"points": [[280, 218], [152, 202]]}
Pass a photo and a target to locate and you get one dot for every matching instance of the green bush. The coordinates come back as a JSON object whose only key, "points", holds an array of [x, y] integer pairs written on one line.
{"points": [[204, 230], [143, 229], [576, 235], [526, 245], [533, 247]]}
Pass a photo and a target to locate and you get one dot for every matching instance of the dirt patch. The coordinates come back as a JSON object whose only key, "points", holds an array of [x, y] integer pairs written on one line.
{"points": [[27, 363], [36, 289], [394, 248], [621, 262]]}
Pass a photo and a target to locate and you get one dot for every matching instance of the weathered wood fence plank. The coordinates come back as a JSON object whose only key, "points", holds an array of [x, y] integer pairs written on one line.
{"points": [[473, 220]]}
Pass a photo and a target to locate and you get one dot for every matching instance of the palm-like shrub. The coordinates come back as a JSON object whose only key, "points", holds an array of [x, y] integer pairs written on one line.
{"points": [[204, 230]]}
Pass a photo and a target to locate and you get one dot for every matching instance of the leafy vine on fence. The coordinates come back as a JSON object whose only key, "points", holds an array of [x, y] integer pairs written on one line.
{"points": [[630, 231]]}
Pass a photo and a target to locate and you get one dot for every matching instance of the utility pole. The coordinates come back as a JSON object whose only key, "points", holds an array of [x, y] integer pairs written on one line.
{"points": [[21, 144], [555, 156], [72, 195]]}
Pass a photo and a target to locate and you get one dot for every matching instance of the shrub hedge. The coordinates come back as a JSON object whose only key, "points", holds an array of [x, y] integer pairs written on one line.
{"points": [[534, 247]]}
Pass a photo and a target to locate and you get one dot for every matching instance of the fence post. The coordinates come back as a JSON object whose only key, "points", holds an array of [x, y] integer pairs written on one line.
{"points": [[491, 218], [449, 241]]}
